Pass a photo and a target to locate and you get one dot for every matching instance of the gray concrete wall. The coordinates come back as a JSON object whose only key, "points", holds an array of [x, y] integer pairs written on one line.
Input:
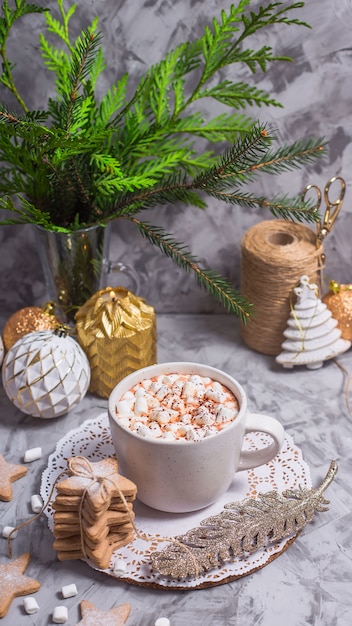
{"points": [[316, 91]]}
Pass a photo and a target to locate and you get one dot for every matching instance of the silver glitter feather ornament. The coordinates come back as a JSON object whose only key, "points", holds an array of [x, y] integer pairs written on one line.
{"points": [[241, 528]]}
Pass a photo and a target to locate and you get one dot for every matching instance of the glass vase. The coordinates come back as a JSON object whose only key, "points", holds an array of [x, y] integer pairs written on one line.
{"points": [[77, 264]]}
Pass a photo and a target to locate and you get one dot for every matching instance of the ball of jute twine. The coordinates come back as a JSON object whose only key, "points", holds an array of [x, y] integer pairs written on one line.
{"points": [[275, 254]]}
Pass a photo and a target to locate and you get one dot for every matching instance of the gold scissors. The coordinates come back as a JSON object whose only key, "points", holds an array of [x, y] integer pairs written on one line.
{"points": [[332, 207]]}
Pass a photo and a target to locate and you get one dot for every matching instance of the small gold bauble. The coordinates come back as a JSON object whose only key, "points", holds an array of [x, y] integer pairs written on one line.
{"points": [[28, 320], [339, 301]]}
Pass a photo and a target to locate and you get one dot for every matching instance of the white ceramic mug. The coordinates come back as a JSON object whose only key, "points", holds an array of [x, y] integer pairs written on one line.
{"points": [[178, 476]]}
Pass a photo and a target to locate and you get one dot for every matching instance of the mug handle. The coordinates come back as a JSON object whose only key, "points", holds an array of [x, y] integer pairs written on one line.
{"points": [[112, 269], [262, 423]]}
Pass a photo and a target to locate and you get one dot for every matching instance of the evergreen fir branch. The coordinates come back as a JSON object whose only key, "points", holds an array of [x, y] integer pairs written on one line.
{"points": [[238, 95], [111, 184], [55, 60], [61, 30], [106, 164], [269, 15], [159, 84], [251, 156], [27, 213], [112, 101], [224, 127], [239, 159], [216, 41], [215, 284], [162, 166], [282, 207], [96, 69], [82, 60], [170, 190], [7, 21], [83, 162], [291, 157]]}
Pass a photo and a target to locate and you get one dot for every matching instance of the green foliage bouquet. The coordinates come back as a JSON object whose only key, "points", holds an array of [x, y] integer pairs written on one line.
{"points": [[83, 161]]}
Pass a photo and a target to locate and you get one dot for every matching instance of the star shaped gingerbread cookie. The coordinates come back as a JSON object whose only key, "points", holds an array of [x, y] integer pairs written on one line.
{"points": [[14, 583], [92, 616], [8, 474]]}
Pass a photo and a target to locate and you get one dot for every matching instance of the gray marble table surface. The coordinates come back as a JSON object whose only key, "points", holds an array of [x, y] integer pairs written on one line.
{"points": [[308, 584]]}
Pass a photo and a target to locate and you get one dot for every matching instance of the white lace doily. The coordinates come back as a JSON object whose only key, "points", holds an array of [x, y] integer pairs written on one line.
{"points": [[92, 440]]}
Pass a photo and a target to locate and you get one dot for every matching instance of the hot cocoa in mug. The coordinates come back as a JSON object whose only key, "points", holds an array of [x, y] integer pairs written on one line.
{"points": [[178, 430]]}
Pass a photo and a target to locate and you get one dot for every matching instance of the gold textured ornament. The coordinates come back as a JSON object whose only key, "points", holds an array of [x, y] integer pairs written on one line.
{"points": [[29, 320], [117, 331], [242, 528], [339, 301]]}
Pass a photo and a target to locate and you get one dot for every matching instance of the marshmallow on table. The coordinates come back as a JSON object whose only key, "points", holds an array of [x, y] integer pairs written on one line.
{"points": [[68, 591], [162, 621], [60, 615], [36, 503], [32, 454], [7, 530], [120, 567], [30, 605]]}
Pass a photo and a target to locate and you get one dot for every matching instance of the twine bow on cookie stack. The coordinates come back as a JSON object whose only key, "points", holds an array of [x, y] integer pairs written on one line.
{"points": [[93, 514]]}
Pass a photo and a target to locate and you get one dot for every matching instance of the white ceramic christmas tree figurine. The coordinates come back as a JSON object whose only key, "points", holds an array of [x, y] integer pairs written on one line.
{"points": [[311, 334]]}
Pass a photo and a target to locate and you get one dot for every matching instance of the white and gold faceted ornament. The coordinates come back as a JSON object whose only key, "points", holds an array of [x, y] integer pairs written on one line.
{"points": [[46, 373]]}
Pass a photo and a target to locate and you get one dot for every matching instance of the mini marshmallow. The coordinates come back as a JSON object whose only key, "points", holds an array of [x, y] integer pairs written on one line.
{"points": [[125, 406], [36, 503], [177, 387], [30, 605], [7, 530], [178, 404], [215, 395], [211, 431], [168, 380], [155, 386], [177, 427], [162, 392], [60, 615], [162, 621], [173, 426], [124, 421], [151, 401], [162, 417], [192, 434], [204, 419], [168, 434], [141, 406], [33, 454], [143, 430], [189, 390], [155, 429], [203, 416], [198, 383], [68, 591], [120, 567], [225, 414]]}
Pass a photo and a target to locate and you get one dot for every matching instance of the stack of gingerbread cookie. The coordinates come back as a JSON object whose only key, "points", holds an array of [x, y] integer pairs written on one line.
{"points": [[93, 511]]}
